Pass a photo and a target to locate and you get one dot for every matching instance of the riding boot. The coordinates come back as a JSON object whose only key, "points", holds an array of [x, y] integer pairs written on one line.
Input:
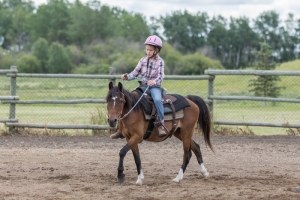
{"points": [[161, 131], [117, 134]]}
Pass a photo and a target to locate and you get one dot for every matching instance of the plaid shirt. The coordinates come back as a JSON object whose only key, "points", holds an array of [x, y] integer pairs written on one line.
{"points": [[154, 71]]}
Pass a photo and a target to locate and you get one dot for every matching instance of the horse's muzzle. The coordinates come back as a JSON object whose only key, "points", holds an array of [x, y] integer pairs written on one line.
{"points": [[112, 122]]}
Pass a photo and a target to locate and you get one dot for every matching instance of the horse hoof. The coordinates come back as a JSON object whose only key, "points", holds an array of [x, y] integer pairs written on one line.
{"points": [[139, 182], [206, 175], [121, 179], [177, 180]]}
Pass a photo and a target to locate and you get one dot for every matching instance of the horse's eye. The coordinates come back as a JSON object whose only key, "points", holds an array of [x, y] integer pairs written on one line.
{"points": [[121, 101]]}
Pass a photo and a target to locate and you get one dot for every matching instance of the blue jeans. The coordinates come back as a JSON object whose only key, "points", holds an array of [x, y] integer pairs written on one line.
{"points": [[157, 98]]}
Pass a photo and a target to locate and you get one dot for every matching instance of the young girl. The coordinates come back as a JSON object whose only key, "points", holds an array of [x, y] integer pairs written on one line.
{"points": [[151, 68]]}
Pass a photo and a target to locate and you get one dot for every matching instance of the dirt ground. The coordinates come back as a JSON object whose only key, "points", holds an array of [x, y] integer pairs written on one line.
{"points": [[244, 167]]}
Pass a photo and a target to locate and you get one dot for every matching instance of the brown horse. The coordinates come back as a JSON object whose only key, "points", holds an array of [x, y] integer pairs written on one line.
{"points": [[124, 110]]}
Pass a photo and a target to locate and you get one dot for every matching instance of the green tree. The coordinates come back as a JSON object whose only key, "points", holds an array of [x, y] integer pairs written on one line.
{"points": [[28, 64], [20, 27], [127, 61], [289, 39], [14, 23], [5, 21], [5, 60], [76, 55], [155, 26], [91, 22], [59, 60], [13, 4], [81, 27], [195, 64], [172, 58], [100, 68], [51, 21], [134, 27], [267, 26], [242, 40], [104, 23], [117, 52], [265, 86], [186, 32], [218, 37], [40, 51]]}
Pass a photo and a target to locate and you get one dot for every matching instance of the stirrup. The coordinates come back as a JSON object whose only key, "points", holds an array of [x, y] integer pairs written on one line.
{"points": [[158, 126], [162, 131]]}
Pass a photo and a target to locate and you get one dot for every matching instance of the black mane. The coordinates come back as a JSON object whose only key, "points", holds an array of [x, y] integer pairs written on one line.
{"points": [[130, 97]]}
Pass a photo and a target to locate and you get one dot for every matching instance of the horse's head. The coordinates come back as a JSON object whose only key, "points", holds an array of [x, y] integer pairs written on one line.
{"points": [[115, 103]]}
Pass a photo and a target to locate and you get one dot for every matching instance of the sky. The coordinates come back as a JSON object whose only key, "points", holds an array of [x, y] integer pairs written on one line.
{"points": [[226, 8]]}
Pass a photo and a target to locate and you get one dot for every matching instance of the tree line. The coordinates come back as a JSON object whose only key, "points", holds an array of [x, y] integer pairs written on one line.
{"points": [[64, 37]]}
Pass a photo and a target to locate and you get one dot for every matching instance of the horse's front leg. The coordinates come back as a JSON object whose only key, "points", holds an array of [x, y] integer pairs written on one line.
{"points": [[132, 144], [137, 159], [122, 154]]}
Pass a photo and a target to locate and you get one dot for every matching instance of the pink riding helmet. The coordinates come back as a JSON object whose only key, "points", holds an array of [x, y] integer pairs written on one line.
{"points": [[154, 40]]}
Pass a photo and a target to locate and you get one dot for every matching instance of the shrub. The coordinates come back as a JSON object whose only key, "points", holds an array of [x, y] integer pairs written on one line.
{"points": [[28, 64]]}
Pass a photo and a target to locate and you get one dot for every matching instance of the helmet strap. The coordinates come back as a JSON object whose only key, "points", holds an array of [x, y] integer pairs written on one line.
{"points": [[151, 57], [154, 53]]}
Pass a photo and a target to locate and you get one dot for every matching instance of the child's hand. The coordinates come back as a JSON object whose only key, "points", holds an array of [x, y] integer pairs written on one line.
{"points": [[124, 77], [150, 83]]}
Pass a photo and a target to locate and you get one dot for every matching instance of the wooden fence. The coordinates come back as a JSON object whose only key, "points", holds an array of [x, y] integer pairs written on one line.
{"points": [[13, 99], [209, 76], [211, 96]]}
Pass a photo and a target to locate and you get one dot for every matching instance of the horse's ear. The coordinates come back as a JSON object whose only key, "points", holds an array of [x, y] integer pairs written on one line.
{"points": [[110, 85], [120, 86]]}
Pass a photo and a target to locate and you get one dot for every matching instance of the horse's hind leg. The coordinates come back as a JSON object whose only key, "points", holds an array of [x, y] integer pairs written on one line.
{"points": [[196, 149], [187, 154]]}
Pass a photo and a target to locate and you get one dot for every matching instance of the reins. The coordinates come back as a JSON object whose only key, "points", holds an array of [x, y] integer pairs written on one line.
{"points": [[121, 118]]}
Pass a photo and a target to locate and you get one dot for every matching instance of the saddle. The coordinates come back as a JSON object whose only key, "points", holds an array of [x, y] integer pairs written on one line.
{"points": [[167, 99], [173, 105]]}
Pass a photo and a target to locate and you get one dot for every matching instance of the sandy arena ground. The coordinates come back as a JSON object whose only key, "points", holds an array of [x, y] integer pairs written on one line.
{"points": [[244, 167]]}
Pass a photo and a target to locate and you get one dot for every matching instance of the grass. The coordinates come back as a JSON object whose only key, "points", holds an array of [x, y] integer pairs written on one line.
{"points": [[257, 112], [64, 89], [290, 66]]}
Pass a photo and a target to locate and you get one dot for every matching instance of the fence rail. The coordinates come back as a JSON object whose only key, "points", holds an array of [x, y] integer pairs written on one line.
{"points": [[8, 120], [74, 101], [13, 100], [211, 96], [59, 126], [254, 98], [252, 72], [9, 98], [258, 124], [209, 76]]}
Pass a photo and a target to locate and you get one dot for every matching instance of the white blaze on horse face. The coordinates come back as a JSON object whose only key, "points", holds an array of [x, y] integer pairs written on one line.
{"points": [[114, 98]]}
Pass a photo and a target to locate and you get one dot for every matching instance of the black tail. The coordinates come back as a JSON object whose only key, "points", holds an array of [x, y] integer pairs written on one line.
{"points": [[204, 119]]}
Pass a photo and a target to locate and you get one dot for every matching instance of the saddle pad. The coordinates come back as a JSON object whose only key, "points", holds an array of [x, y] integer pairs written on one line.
{"points": [[179, 104], [178, 115]]}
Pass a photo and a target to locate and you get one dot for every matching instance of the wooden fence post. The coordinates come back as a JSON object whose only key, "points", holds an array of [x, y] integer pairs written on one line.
{"points": [[211, 93], [13, 88]]}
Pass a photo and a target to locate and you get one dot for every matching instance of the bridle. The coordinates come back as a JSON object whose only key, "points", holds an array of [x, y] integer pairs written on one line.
{"points": [[121, 118]]}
